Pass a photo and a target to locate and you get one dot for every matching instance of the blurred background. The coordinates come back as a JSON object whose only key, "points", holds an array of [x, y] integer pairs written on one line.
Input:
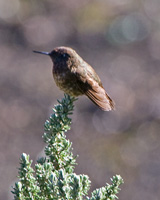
{"points": [[121, 40]]}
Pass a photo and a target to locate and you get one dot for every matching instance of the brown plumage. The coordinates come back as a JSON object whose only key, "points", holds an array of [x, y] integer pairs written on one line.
{"points": [[76, 77]]}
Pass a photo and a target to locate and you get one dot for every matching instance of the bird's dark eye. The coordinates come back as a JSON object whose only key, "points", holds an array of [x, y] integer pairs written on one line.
{"points": [[64, 55]]}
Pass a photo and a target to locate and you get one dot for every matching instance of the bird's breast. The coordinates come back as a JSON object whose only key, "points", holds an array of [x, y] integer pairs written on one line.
{"points": [[66, 81]]}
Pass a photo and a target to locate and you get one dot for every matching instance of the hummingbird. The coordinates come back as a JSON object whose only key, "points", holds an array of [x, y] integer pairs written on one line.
{"points": [[76, 77]]}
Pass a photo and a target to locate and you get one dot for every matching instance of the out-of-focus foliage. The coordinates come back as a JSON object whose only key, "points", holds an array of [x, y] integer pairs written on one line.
{"points": [[121, 40]]}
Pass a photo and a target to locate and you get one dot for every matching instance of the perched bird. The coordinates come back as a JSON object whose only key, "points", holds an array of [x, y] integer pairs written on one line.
{"points": [[76, 77]]}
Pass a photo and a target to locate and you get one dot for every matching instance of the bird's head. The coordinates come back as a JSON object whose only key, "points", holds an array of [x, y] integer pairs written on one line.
{"points": [[59, 54]]}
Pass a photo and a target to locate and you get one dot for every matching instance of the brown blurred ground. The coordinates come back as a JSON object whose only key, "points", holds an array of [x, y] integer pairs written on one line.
{"points": [[121, 40]]}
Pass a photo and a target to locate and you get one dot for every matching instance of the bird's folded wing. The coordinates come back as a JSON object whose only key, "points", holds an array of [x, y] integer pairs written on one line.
{"points": [[94, 90], [98, 95]]}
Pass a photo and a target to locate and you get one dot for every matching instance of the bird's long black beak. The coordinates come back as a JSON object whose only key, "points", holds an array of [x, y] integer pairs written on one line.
{"points": [[42, 52]]}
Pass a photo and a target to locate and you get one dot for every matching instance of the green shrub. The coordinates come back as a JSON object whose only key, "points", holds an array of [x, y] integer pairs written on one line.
{"points": [[53, 176]]}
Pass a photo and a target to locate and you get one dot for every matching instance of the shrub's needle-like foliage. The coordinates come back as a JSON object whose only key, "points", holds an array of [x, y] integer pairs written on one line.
{"points": [[53, 176]]}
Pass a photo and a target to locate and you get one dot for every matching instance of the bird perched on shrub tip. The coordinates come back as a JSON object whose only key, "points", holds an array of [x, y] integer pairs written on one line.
{"points": [[76, 77]]}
